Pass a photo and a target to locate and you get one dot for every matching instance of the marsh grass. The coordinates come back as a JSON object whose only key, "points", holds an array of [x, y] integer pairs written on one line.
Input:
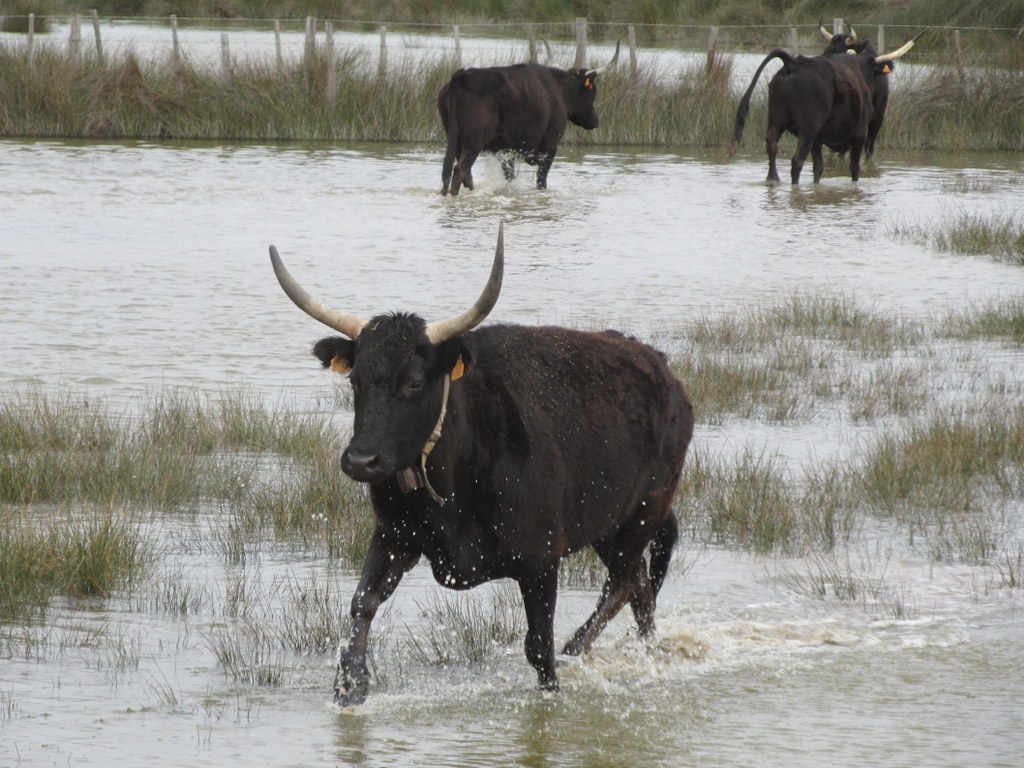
{"points": [[78, 555], [838, 577], [998, 318], [783, 362], [948, 462], [747, 501], [181, 448], [1010, 568], [248, 655], [466, 631], [996, 235]]}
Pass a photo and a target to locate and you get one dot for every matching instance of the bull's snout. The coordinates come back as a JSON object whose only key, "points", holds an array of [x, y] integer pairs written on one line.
{"points": [[362, 465]]}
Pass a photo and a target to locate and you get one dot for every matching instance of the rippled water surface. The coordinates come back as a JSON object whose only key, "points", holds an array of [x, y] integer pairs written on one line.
{"points": [[130, 267]]}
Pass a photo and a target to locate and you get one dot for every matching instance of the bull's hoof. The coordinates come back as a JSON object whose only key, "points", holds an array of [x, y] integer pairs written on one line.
{"points": [[573, 648], [349, 689], [550, 685], [351, 696]]}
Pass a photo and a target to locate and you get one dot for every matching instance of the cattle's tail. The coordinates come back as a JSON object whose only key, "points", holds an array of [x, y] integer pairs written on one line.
{"points": [[662, 544], [451, 127], [744, 108]]}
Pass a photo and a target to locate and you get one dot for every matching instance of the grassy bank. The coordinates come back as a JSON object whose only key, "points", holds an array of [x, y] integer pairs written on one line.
{"points": [[999, 13], [58, 96]]}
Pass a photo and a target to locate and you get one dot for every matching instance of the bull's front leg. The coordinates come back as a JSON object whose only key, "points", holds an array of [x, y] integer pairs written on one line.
{"points": [[385, 564], [540, 591]]}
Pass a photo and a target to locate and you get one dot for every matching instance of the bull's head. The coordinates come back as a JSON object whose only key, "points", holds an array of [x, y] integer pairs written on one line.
{"points": [[399, 367], [581, 109], [847, 43]]}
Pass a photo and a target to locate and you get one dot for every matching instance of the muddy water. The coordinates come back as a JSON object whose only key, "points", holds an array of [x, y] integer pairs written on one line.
{"points": [[126, 268]]}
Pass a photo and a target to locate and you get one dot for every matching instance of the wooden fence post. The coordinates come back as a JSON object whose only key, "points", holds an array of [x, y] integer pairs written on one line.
{"points": [[309, 52], [958, 53], [880, 42], [30, 41], [331, 88], [382, 60], [279, 58], [712, 42], [837, 26], [631, 36], [96, 33], [225, 58], [794, 40], [175, 48], [581, 41], [531, 54], [458, 46], [75, 39]]}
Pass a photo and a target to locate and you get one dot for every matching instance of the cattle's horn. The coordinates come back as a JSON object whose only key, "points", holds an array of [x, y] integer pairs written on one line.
{"points": [[606, 67], [899, 51], [852, 37], [442, 330], [342, 322], [824, 32]]}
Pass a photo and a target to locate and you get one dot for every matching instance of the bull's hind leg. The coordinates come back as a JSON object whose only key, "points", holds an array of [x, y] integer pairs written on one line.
{"points": [[508, 166], [463, 175], [621, 586], [544, 161], [771, 146], [796, 165]]}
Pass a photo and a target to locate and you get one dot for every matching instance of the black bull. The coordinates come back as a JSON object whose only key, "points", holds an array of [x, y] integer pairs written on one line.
{"points": [[825, 101], [496, 452], [841, 45], [524, 108]]}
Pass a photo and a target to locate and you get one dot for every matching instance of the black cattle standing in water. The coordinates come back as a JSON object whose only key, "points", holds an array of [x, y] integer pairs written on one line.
{"points": [[823, 101], [524, 108], [846, 44], [496, 452]]}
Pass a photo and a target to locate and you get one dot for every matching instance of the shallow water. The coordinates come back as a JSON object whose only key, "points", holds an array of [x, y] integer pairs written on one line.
{"points": [[130, 267]]}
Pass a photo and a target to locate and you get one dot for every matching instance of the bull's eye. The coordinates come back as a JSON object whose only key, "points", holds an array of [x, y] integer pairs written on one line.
{"points": [[415, 386]]}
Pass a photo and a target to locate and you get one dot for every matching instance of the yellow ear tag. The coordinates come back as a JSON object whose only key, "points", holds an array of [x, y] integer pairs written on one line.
{"points": [[887, 69], [587, 83], [340, 364], [459, 369]]}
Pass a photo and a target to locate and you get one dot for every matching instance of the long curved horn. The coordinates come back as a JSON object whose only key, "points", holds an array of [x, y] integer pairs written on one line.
{"points": [[442, 330], [899, 51], [824, 32], [852, 37], [606, 67], [342, 322]]}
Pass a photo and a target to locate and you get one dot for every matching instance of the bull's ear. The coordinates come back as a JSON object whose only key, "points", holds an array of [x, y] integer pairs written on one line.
{"points": [[453, 358], [335, 353]]}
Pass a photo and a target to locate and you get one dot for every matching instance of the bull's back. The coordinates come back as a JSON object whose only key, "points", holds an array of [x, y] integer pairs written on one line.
{"points": [[597, 420]]}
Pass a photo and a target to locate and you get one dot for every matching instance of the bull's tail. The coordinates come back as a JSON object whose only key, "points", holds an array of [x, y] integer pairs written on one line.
{"points": [[744, 108], [449, 117], [662, 544]]}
